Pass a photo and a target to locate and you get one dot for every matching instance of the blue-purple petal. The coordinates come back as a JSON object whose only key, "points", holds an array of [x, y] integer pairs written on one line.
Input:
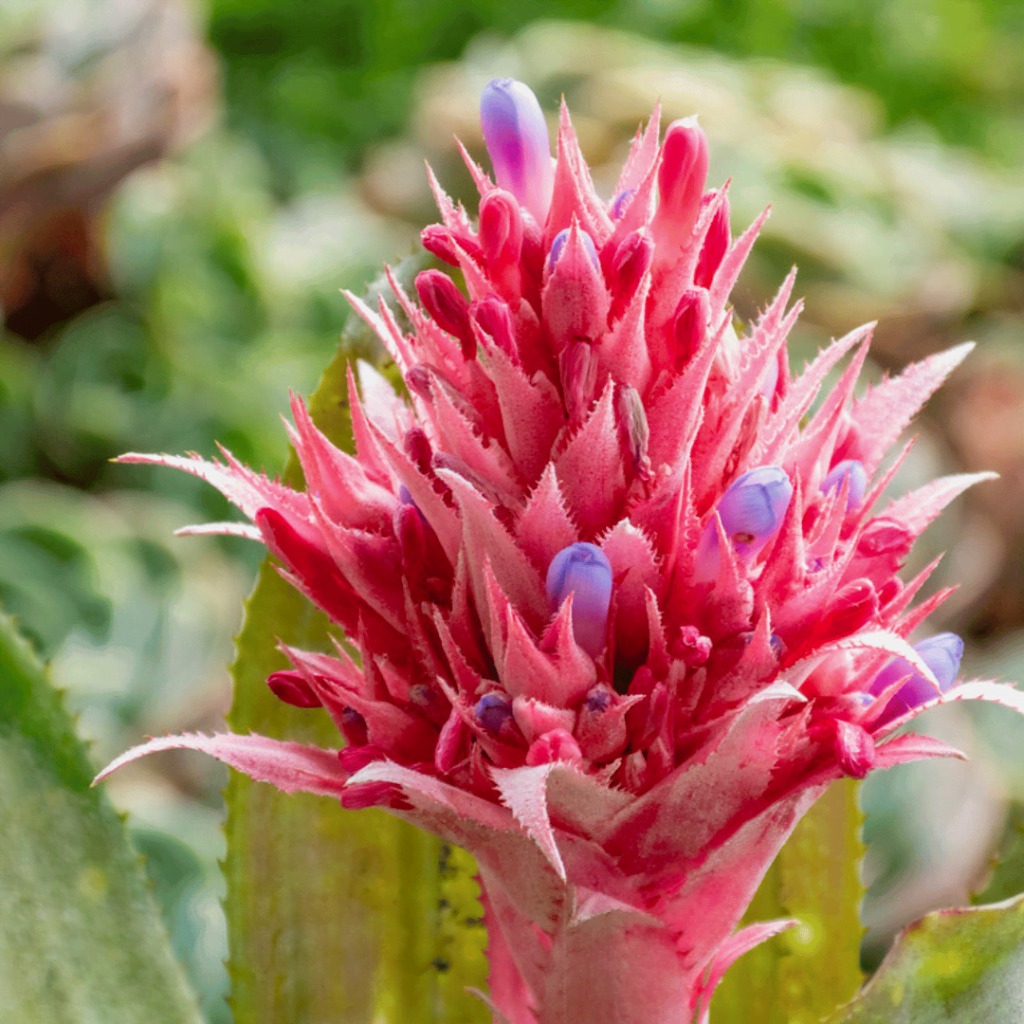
{"points": [[516, 136], [583, 571]]}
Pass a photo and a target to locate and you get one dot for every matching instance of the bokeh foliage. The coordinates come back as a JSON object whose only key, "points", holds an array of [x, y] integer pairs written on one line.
{"points": [[325, 78]]}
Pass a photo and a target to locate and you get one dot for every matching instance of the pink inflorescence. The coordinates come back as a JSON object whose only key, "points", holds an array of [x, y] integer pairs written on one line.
{"points": [[623, 602]]}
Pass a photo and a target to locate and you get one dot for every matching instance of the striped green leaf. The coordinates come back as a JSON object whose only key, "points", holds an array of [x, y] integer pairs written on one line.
{"points": [[80, 938]]}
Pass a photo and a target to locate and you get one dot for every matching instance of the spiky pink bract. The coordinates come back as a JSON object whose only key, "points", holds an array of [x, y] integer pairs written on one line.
{"points": [[620, 596]]}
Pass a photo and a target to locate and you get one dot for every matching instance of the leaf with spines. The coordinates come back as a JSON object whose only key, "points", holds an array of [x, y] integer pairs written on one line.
{"points": [[951, 967], [80, 939], [797, 977]]}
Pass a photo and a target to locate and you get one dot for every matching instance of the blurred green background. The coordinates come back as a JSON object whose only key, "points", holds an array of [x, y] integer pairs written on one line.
{"points": [[186, 188]]}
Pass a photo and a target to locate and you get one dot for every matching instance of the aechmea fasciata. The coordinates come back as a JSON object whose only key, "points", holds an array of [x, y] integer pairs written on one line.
{"points": [[624, 604]]}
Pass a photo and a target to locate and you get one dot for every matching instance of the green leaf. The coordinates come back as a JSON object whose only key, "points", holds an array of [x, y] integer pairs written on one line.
{"points": [[951, 967], [797, 977], [80, 939], [335, 915]]}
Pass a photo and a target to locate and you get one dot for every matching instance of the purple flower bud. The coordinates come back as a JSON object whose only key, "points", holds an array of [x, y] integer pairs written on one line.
{"points": [[492, 711], [583, 571], [516, 135], [852, 470], [621, 202], [558, 245], [753, 507], [941, 653], [597, 700]]}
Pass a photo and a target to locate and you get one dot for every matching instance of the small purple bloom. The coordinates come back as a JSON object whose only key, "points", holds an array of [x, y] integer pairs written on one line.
{"points": [[848, 469], [753, 507], [558, 246], [516, 135], [492, 711], [597, 700], [583, 571], [941, 653], [751, 511], [621, 202]]}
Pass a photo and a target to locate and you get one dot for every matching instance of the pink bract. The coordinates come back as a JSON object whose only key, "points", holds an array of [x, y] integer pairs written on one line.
{"points": [[624, 769]]}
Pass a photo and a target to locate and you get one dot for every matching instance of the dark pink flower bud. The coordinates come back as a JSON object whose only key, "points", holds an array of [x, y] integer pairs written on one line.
{"points": [[681, 177], [423, 562], [853, 471], [716, 245], [418, 380], [516, 136], [631, 262], [438, 241], [885, 537], [501, 227], [690, 325], [850, 610], [577, 367], [310, 563], [447, 306], [493, 317], [854, 748], [941, 653], [417, 447], [290, 687], [633, 428], [583, 571], [353, 725]]}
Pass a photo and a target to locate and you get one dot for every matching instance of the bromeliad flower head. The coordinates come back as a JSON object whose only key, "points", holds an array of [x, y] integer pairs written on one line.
{"points": [[623, 601]]}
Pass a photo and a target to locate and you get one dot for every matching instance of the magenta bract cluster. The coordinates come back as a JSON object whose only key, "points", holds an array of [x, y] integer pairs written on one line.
{"points": [[623, 600]]}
